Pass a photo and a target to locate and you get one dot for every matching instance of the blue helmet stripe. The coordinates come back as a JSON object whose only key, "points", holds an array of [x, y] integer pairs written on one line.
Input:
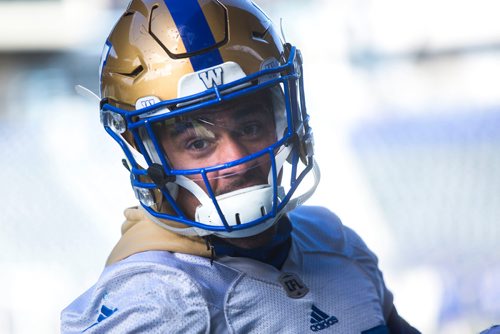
{"points": [[194, 31]]}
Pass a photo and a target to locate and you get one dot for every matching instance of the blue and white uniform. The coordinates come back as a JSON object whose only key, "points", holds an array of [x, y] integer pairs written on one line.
{"points": [[329, 283]]}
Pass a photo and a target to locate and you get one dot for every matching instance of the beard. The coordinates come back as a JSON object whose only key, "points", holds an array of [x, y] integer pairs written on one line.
{"points": [[251, 177]]}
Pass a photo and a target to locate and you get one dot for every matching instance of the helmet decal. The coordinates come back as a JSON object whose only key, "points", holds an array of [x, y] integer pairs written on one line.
{"points": [[198, 82], [269, 63], [195, 32], [146, 101], [211, 77]]}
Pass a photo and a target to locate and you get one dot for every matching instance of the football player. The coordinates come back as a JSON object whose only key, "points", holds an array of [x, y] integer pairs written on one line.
{"points": [[207, 103]]}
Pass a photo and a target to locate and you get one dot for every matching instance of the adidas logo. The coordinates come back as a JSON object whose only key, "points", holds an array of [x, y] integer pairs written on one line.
{"points": [[105, 313], [320, 320]]}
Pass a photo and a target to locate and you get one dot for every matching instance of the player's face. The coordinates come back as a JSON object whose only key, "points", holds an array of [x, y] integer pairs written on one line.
{"points": [[216, 136]]}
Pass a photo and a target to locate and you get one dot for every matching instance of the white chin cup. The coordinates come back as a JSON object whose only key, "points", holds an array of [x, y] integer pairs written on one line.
{"points": [[239, 207]]}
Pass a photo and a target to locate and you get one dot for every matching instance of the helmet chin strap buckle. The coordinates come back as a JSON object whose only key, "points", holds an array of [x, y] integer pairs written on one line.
{"points": [[158, 175]]}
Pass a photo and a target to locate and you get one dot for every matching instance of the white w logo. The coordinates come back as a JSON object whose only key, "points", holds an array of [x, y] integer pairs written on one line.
{"points": [[211, 77]]}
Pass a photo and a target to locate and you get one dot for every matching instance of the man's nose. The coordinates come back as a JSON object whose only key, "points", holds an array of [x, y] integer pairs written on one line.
{"points": [[232, 149]]}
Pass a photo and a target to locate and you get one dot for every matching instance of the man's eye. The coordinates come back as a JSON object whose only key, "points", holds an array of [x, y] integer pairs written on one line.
{"points": [[251, 130], [197, 144]]}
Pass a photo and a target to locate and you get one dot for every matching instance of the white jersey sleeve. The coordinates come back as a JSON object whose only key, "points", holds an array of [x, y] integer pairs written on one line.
{"points": [[132, 297]]}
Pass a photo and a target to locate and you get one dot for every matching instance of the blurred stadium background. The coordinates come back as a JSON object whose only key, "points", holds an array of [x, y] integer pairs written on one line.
{"points": [[405, 104]]}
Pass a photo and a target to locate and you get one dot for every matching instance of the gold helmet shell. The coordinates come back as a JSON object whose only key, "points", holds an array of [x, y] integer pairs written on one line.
{"points": [[156, 43]]}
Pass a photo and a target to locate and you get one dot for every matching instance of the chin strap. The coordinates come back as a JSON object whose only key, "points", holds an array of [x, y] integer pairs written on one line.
{"points": [[138, 157]]}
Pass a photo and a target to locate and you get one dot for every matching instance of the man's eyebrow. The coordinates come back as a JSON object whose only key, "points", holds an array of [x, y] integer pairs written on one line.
{"points": [[178, 128], [195, 126], [181, 125]]}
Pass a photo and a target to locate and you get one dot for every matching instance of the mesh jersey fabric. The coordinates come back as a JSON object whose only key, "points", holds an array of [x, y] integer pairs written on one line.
{"points": [[163, 292]]}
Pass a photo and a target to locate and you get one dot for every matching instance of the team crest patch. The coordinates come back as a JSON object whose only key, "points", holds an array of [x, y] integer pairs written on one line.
{"points": [[293, 285]]}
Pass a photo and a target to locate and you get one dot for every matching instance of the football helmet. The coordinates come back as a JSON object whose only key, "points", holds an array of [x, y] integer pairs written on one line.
{"points": [[181, 79]]}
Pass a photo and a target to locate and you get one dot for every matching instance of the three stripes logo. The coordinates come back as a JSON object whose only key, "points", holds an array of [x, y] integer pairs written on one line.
{"points": [[320, 320], [104, 313]]}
